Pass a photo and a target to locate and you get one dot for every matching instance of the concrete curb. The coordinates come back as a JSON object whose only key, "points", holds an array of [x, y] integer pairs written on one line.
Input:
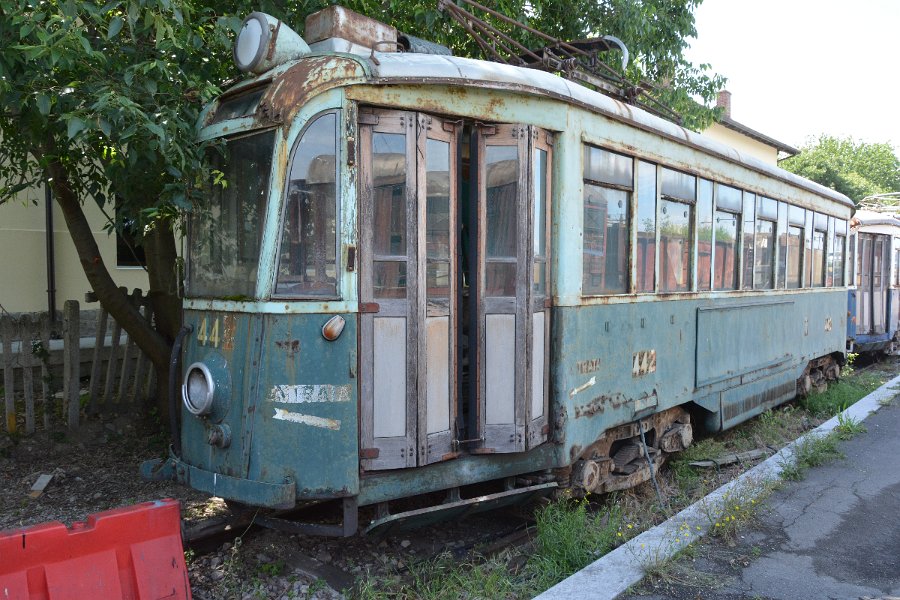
{"points": [[612, 574]]}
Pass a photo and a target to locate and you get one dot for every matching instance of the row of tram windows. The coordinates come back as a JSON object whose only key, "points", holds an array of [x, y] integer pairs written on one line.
{"points": [[737, 240]]}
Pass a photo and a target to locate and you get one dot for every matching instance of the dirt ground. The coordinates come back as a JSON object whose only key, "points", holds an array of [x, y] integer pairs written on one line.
{"points": [[96, 469]]}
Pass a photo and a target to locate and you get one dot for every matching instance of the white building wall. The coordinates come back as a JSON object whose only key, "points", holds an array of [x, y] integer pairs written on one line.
{"points": [[23, 255]]}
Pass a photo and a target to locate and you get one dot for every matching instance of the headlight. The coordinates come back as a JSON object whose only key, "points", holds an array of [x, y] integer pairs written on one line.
{"points": [[265, 42], [198, 389]]}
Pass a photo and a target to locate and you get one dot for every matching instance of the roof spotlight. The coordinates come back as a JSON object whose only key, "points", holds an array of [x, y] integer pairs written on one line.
{"points": [[265, 42]]}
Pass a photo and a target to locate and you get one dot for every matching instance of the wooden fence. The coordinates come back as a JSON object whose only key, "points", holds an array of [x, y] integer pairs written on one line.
{"points": [[42, 375]]}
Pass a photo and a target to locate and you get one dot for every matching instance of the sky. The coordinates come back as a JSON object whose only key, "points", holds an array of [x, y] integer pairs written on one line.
{"points": [[800, 68]]}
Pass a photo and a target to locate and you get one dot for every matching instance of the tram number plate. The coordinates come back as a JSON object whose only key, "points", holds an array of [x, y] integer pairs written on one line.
{"points": [[209, 333]]}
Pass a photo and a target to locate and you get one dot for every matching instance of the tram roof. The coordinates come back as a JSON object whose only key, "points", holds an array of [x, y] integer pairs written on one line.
{"points": [[433, 69], [429, 68]]}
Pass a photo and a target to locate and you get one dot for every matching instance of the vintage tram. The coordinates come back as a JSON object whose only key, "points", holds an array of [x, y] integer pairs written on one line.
{"points": [[431, 275]]}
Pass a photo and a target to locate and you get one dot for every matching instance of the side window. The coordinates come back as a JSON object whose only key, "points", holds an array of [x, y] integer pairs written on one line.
{"points": [[840, 245], [645, 256], [679, 192], [608, 185], [705, 235], [897, 261], [817, 260], [748, 247], [307, 262], [727, 237], [794, 251], [764, 245]]}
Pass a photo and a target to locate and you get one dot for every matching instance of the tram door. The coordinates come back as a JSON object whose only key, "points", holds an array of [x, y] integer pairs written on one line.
{"points": [[513, 319], [873, 283], [408, 209]]}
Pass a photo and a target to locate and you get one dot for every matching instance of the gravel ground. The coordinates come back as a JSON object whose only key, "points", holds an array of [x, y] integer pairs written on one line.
{"points": [[96, 469]]}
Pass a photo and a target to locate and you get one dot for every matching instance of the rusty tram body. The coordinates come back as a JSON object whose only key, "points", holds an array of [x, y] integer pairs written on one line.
{"points": [[431, 275]]}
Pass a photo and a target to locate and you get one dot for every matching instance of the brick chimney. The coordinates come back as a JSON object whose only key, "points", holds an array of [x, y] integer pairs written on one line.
{"points": [[724, 100]]}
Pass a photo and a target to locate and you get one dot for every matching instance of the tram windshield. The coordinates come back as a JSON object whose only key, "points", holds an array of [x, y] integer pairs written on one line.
{"points": [[226, 228]]}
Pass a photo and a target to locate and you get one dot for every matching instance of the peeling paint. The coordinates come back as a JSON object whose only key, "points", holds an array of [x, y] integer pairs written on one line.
{"points": [[300, 394], [322, 422], [590, 383]]}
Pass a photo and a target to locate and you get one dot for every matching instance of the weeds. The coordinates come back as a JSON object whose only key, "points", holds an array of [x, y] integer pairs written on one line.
{"points": [[841, 394], [812, 451], [848, 427], [569, 538]]}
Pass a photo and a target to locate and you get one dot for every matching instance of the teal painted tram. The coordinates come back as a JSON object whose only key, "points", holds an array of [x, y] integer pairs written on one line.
{"points": [[457, 279]]}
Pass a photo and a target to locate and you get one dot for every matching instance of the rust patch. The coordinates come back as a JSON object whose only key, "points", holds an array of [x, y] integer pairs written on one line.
{"points": [[643, 362], [310, 76], [599, 404], [292, 347], [229, 324]]}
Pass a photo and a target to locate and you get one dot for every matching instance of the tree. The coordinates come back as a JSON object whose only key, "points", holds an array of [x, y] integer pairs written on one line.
{"points": [[100, 99], [852, 167]]}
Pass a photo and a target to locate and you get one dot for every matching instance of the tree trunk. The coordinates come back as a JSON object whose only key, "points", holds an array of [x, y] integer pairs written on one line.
{"points": [[162, 270], [111, 298], [164, 276]]}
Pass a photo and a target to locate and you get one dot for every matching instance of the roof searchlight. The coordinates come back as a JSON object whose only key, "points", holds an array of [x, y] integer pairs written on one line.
{"points": [[264, 42]]}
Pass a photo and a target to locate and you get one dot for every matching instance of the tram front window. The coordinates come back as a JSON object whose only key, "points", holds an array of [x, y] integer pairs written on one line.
{"points": [[226, 228]]}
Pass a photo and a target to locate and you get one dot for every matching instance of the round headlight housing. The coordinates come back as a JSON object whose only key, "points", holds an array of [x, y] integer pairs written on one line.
{"points": [[264, 42], [198, 390], [252, 42]]}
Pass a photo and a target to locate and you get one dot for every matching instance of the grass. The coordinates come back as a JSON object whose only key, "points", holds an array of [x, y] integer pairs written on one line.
{"points": [[841, 394], [812, 451], [848, 427], [569, 536]]}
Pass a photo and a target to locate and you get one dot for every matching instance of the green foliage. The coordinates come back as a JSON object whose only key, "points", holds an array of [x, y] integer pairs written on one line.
{"points": [[812, 451], [841, 394], [570, 537], [112, 89], [855, 168], [848, 427]]}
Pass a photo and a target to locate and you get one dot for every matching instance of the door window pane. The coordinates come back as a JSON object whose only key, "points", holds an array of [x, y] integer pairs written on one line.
{"points": [[437, 218], [675, 246], [726, 251], [540, 220], [605, 250], [646, 228], [389, 279], [307, 264], [389, 193], [502, 178], [500, 279]]}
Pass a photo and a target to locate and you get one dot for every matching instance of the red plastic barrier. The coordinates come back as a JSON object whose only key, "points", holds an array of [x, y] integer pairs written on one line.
{"points": [[131, 553]]}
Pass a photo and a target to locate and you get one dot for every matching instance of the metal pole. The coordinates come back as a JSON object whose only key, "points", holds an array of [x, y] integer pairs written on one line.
{"points": [[51, 254]]}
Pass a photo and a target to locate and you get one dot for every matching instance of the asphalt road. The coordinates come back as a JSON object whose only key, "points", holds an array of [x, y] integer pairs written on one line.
{"points": [[835, 534]]}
